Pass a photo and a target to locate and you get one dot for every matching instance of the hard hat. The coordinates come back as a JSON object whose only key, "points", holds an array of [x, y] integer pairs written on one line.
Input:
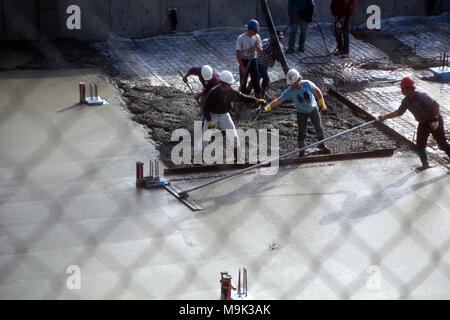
{"points": [[227, 77], [253, 25], [406, 82], [292, 76], [207, 72]]}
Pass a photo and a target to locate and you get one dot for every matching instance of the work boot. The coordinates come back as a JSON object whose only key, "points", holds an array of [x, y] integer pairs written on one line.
{"points": [[289, 51], [425, 164], [301, 144], [322, 146]]}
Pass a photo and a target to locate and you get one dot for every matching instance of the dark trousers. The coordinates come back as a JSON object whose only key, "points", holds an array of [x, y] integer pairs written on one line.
{"points": [[342, 37], [253, 71], [294, 23], [302, 120], [264, 75], [423, 132]]}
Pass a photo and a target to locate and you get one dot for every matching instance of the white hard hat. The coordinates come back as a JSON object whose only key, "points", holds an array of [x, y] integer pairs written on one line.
{"points": [[227, 77], [292, 76], [207, 72]]}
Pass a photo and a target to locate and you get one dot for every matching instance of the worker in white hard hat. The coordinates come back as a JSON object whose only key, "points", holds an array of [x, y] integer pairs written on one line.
{"points": [[306, 97], [207, 77], [217, 106]]}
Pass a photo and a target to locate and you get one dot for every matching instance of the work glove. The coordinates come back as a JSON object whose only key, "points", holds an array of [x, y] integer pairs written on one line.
{"points": [[211, 124], [323, 107], [381, 118], [260, 101], [434, 125], [267, 108]]}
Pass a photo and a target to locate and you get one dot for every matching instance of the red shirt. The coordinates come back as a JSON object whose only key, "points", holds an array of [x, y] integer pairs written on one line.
{"points": [[343, 8]]}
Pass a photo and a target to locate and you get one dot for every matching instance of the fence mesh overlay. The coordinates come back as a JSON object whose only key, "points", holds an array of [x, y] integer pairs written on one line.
{"points": [[194, 270]]}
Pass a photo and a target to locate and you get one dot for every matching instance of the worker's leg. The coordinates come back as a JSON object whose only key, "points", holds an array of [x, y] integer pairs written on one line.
{"points": [[303, 29], [345, 34], [439, 136], [254, 75], [231, 134], [243, 77], [302, 119], [338, 36], [265, 78], [293, 25], [317, 123], [423, 131]]}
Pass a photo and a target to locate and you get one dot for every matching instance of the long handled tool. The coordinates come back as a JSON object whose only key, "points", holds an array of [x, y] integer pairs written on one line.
{"points": [[187, 83], [185, 192]]}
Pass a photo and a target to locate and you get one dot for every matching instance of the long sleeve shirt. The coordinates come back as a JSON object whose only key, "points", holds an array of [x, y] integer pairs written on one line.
{"points": [[270, 53], [219, 101], [207, 85]]}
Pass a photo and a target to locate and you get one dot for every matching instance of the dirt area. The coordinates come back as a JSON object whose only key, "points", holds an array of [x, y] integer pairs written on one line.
{"points": [[162, 110]]}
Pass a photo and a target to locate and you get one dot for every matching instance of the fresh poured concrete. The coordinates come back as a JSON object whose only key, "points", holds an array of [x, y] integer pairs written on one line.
{"points": [[354, 229]]}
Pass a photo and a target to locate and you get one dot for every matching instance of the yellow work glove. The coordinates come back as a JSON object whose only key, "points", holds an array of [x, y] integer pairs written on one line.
{"points": [[323, 107], [210, 124], [267, 108]]}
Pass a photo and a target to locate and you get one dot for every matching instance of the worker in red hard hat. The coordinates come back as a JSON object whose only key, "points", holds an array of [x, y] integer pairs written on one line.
{"points": [[426, 111]]}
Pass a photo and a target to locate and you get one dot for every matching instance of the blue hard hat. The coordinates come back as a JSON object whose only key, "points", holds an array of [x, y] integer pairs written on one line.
{"points": [[253, 25]]}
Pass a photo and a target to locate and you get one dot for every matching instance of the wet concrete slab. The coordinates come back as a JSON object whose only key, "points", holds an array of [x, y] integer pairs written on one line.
{"points": [[68, 198]]}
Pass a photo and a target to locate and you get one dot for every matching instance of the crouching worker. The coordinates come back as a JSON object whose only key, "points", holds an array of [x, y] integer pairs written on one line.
{"points": [[303, 93], [218, 105], [426, 112]]}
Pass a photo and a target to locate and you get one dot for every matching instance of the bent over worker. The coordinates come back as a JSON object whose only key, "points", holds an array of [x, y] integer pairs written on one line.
{"points": [[426, 111], [207, 77], [303, 93], [218, 105]]}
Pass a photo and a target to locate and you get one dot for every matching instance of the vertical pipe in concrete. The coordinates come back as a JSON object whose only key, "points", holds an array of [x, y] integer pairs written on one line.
{"points": [[273, 34]]}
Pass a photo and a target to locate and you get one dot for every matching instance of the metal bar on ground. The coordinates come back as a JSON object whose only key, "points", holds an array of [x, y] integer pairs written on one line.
{"points": [[307, 159], [184, 193]]}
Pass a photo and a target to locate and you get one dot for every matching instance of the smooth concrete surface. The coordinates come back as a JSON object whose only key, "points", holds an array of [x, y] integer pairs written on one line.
{"points": [[46, 19], [365, 229]]}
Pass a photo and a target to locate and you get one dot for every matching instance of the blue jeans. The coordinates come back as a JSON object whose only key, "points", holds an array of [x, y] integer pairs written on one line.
{"points": [[294, 23], [264, 75], [302, 119], [253, 71]]}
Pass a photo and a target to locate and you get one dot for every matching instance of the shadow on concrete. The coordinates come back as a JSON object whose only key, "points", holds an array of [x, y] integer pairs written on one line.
{"points": [[355, 207]]}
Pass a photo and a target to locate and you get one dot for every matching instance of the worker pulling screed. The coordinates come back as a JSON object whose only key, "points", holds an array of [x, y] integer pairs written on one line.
{"points": [[247, 45], [426, 111], [303, 93], [218, 105], [207, 77]]}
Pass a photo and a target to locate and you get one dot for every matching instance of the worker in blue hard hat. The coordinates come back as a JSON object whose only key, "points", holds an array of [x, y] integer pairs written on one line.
{"points": [[247, 46]]}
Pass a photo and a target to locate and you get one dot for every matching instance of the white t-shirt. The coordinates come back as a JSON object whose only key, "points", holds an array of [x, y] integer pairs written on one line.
{"points": [[247, 45]]}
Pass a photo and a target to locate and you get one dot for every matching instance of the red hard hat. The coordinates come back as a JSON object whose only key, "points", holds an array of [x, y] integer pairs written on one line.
{"points": [[406, 82]]}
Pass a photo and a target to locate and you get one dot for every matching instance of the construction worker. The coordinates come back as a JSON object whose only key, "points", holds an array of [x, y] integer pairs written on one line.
{"points": [[300, 14], [267, 59], [247, 46], [342, 10], [207, 77], [218, 105], [426, 111], [303, 93]]}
